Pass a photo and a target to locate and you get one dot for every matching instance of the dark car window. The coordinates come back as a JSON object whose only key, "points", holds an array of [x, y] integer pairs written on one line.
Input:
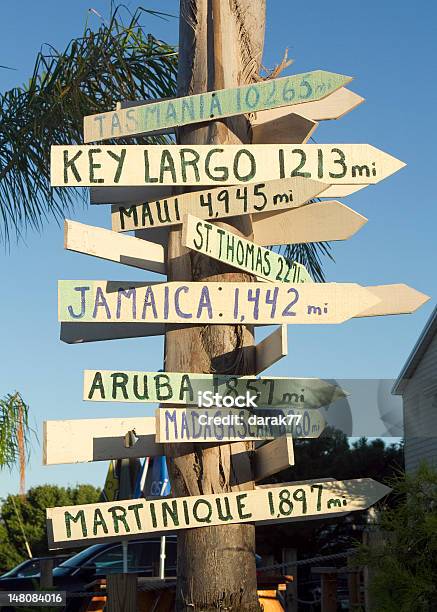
{"points": [[30, 569], [110, 561]]}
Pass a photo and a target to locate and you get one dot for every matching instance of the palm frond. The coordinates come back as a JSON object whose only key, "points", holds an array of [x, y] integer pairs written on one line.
{"points": [[116, 62], [14, 431]]}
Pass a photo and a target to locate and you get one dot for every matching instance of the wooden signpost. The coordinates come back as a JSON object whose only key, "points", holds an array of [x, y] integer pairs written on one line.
{"points": [[176, 425], [273, 457], [74, 525], [267, 352], [136, 196], [255, 198], [203, 302], [288, 128], [87, 440], [395, 299], [229, 248], [344, 164], [212, 105], [317, 222], [107, 244], [184, 389], [334, 106]]}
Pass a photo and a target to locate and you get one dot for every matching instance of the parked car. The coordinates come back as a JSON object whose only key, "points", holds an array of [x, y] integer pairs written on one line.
{"points": [[97, 561], [25, 570]]}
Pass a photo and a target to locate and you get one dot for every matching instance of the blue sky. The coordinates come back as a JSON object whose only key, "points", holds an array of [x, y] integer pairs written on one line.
{"points": [[389, 47]]}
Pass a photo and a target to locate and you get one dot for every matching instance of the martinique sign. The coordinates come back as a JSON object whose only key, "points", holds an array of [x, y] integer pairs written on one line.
{"points": [[70, 525], [189, 388], [198, 302], [87, 166], [213, 105]]}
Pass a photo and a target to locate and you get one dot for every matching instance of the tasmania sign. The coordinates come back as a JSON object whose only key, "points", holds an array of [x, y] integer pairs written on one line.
{"points": [[255, 198], [85, 165], [178, 425], [69, 525], [229, 248], [189, 388], [203, 302], [212, 105]]}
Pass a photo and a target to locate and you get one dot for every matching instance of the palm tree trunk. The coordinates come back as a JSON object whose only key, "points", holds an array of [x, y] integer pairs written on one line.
{"points": [[220, 46]]}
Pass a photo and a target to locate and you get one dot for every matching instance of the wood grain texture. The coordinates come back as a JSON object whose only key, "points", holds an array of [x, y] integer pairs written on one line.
{"points": [[212, 105], [110, 245], [211, 302], [131, 165], [89, 522]]}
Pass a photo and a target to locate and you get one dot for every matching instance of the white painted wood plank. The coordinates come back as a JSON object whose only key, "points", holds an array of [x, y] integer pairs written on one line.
{"points": [[106, 244]]}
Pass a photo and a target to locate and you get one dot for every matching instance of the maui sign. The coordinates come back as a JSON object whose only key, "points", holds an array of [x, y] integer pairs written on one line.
{"points": [[212, 105], [111, 165], [255, 198]]}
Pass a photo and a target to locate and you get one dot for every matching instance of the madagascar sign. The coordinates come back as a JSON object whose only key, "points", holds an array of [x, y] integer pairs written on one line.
{"points": [[130, 518], [158, 116], [190, 388], [240, 253], [273, 196], [233, 425], [110, 165], [203, 302]]}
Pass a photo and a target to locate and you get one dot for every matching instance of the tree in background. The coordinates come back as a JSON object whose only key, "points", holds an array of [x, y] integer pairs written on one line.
{"points": [[14, 434], [117, 62], [404, 565], [23, 518], [331, 456]]}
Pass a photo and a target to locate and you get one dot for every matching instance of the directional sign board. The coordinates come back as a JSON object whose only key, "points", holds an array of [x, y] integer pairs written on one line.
{"points": [[347, 164], [255, 198], [199, 302], [273, 457], [334, 106], [395, 299], [86, 440], [98, 440], [71, 525], [212, 105], [287, 128], [179, 388], [177, 425], [229, 248], [317, 222], [107, 244]]}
